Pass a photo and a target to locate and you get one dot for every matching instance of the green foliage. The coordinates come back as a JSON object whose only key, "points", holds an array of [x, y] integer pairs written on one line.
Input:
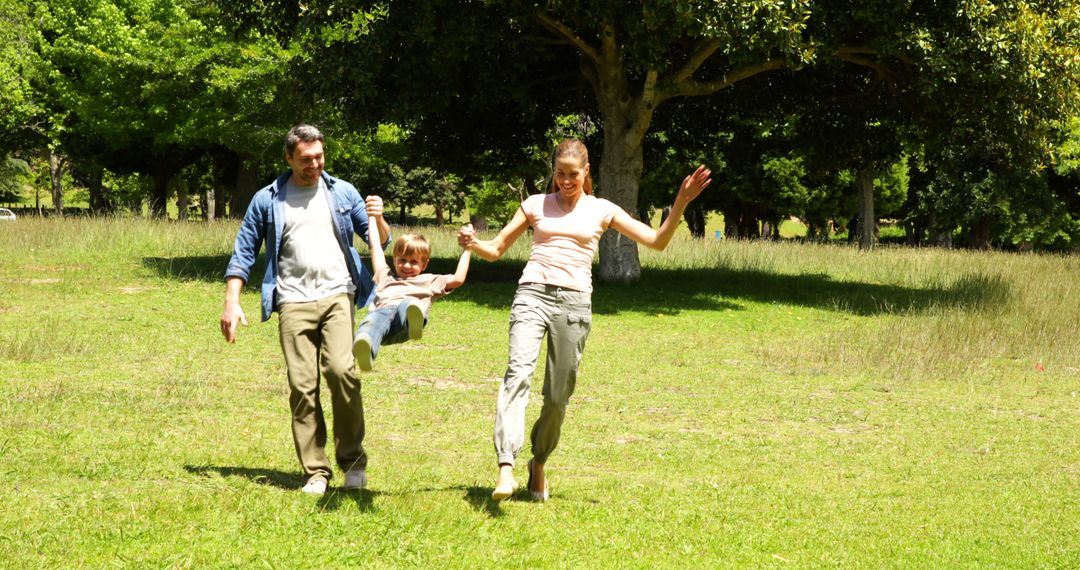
{"points": [[21, 107], [1068, 151], [162, 74], [370, 158], [495, 200], [891, 189], [426, 186], [14, 180], [151, 86]]}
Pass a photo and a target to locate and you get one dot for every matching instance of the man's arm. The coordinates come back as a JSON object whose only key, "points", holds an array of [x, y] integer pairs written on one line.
{"points": [[248, 243], [233, 313]]}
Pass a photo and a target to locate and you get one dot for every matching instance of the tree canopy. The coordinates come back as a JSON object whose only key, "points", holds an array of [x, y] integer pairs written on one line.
{"points": [[798, 106], [473, 77]]}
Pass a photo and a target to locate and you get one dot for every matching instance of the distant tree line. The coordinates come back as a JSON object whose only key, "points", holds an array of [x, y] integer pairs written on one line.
{"points": [[956, 119]]}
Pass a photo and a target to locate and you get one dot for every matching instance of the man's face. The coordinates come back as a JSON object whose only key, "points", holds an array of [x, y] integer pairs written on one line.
{"points": [[306, 162]]}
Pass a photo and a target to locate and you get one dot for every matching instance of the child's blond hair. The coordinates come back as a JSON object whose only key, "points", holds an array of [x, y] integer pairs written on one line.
{"points": [[409, 245]]}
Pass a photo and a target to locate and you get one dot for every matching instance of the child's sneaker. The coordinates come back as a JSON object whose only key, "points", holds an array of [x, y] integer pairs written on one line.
{"points": [[361, 350], [414, 318]]}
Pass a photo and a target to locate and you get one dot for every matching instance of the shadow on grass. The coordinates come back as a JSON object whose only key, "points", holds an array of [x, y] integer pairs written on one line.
{"points": [[269, 477], [670, 291], [480, 499], [336, 497]]}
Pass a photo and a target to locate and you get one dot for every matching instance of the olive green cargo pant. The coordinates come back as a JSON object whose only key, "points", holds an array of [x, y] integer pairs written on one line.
{"points": [[316, 338]]}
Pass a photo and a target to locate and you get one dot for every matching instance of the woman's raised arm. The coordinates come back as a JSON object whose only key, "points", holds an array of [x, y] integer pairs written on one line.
{"points": [[691, 188]]}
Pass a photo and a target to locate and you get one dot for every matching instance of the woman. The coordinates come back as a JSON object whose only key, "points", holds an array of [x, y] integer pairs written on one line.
{"points": [[554, 297]]}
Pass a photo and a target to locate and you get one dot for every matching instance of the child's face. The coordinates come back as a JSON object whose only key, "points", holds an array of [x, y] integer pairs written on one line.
{"points": [[409, 266]]}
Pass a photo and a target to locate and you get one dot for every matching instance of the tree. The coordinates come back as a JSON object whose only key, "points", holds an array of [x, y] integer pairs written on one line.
{"points": [[19, 42], [149, 86], [13, 175], [1003, 67], [620, 61]]}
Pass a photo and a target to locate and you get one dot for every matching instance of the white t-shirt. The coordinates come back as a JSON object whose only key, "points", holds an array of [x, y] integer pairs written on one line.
{"points": [[564, 243], [311, 265]]}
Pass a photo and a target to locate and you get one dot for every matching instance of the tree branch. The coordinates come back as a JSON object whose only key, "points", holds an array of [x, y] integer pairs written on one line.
{"points": [[612, 51], [703, 52], [560, 29], [844, 51], [864, 62], [645, 108], [696, 88], [648, 91], [589, 71]]}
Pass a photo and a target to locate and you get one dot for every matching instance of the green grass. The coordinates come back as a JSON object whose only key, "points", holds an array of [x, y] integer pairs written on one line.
{"points": [[744, 404]]}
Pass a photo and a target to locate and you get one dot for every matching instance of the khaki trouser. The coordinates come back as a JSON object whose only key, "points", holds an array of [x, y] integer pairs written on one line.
{"points": [[565, 316], [316, 338]]}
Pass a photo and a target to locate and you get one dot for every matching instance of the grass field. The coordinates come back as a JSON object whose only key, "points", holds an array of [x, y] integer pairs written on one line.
{"points": [[745, 404]]}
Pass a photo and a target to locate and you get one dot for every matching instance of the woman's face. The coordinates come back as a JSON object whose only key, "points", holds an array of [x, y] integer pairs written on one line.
{"points": [[570, 174]]}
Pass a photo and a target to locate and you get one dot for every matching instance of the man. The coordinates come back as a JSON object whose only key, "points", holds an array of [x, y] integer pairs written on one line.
{"points": [[313, 280]]}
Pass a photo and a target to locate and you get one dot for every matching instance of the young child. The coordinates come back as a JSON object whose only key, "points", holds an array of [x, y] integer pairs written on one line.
{"points": [[402, 302]]}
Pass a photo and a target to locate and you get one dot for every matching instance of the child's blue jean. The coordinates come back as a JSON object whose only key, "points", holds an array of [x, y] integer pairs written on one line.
{"points": [[386, 325]]}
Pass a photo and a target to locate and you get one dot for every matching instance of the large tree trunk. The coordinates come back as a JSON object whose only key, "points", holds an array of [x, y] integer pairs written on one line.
{"points": [[864, 179], [182, 200], [163, 173], [980, 233], [99, 201], [645, 214], [207, 201], [940, 236], [224, 164], [748, 226], [731, 223], [695, 221], [221, 201], [620, 173], [770, 228], [247, 183], [56, 176], [530, 187], [626, 120]]}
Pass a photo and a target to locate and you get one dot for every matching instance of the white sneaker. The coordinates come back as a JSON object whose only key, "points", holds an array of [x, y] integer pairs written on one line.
{"points": [[414, 318], [361, 350], [355, 479], [315, 487]]}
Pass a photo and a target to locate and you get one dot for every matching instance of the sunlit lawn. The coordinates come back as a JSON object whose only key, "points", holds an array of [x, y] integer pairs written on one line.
{"points": [[748, 404]]}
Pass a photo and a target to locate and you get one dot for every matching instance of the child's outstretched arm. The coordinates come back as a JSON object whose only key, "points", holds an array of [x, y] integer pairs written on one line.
{"points": [[378, 257], [458, 278]]}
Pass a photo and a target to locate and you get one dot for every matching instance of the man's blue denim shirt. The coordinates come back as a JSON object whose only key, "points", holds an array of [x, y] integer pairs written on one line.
{"points": [[267, 212]]}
